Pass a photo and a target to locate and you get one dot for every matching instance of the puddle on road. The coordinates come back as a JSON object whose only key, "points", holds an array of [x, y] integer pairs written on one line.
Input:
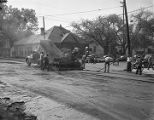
{"points": [[13, 110]]}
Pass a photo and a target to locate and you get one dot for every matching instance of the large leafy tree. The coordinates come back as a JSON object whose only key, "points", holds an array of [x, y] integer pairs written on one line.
{"points": [[142, 32], [104, 30], [17, 23]]}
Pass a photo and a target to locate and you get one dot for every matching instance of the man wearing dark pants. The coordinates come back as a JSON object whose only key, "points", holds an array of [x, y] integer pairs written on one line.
{"points": [[129, 64], [41, 60], [107, 64], [139, 66], [46, 62], [150, 62]]}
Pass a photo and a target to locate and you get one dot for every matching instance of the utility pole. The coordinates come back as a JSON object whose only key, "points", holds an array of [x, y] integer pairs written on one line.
{"points": [[129, 69], [123, 21], [127, 28], [44, 27], [124, 38]]}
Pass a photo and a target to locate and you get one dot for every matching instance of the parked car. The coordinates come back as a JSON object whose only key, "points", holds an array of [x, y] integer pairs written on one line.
{"points": [[100, 59], [123, 58], [90, 58]]}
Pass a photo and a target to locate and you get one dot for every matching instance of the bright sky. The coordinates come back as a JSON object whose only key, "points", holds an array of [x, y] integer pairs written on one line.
{"points": [[58, 12]]}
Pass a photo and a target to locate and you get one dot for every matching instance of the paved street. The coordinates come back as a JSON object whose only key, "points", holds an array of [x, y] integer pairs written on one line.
{"points": [[79, 95]]}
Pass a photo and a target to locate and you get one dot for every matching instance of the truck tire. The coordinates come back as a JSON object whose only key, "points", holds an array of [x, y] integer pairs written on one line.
{"points": [[28, 62]]}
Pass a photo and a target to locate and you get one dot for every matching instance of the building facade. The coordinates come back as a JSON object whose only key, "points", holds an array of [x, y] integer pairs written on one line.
{"points": [[96, 49], [4, 45]]}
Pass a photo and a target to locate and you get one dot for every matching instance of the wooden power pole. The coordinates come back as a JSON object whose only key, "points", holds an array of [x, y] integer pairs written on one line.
{"points": [[127, 28], [44, 27]]}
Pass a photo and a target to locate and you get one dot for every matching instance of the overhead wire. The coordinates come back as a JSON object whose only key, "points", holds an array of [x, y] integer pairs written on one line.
{"points": [[137, 10], [56, 16], [82, 12], [55, 19]]}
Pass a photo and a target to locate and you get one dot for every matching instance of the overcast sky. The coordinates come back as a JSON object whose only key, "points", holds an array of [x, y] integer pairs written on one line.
{"points": [[63, 12]]}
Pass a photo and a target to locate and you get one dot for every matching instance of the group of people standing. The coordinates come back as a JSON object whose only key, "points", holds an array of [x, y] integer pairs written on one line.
{"points": [[139, 64], [44, 61]]}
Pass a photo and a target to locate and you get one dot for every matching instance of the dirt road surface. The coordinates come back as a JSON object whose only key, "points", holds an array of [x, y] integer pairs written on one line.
{"points": [[79, 95]]}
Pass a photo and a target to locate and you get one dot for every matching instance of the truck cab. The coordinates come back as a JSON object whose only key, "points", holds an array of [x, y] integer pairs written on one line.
{"points": [[34, 58]]}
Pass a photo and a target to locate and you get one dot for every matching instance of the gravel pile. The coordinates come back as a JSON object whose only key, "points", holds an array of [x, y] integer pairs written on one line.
{"points": [[13, 110]]}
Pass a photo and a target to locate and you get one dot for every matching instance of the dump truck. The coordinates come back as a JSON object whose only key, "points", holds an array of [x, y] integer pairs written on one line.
{"points": [[57, 59]]}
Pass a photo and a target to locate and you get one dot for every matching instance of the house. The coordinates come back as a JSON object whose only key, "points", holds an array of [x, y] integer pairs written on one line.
{"points": [[62, 38], [4, 45], [96, 49]]}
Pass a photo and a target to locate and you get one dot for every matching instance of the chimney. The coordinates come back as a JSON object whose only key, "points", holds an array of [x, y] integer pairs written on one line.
{"points": [[42, 31]]}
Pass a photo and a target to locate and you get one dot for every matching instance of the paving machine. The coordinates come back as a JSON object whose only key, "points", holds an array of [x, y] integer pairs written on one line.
{"points": [[57, 59], [70, 61]]}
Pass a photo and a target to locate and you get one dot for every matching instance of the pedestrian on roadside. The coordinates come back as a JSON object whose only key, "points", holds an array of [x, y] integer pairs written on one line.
{"points": [[41, 60], [107, 64], [46, 62], [83, 61], [149, 62], [139, 63], [129, 64]]}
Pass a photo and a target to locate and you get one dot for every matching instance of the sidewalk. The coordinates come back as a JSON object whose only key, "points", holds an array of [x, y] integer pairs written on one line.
{"points": [[118, 72], [115, 68], [98, 66]]}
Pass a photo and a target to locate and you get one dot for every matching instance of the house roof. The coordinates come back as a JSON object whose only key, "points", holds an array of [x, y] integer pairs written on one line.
{"points": [[75, 39], [56, 34], [64, 37], [34, 38]]}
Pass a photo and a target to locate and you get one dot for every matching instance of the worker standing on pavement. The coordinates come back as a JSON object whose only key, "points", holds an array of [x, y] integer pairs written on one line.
{"points": [[107, 64], [129, 64], [139, 65], [41, 60], [150, 62], [46, 62]]}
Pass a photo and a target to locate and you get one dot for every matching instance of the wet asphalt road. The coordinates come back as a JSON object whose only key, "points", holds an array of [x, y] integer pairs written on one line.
{"points": [[105, 96]]}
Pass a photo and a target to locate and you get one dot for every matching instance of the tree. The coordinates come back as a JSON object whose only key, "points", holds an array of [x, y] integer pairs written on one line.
{"points": [[18, 23], [142, 32], [104, 30]]}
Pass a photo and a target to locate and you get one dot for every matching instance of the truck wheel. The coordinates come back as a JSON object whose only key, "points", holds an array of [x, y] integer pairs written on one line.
{"points": [[28, 62]]}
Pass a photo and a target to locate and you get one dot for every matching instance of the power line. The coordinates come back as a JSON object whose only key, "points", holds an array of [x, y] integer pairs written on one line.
{"points": [[137, 10], [55, 19], [60, 20], [140, 9], [82, 12]]}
